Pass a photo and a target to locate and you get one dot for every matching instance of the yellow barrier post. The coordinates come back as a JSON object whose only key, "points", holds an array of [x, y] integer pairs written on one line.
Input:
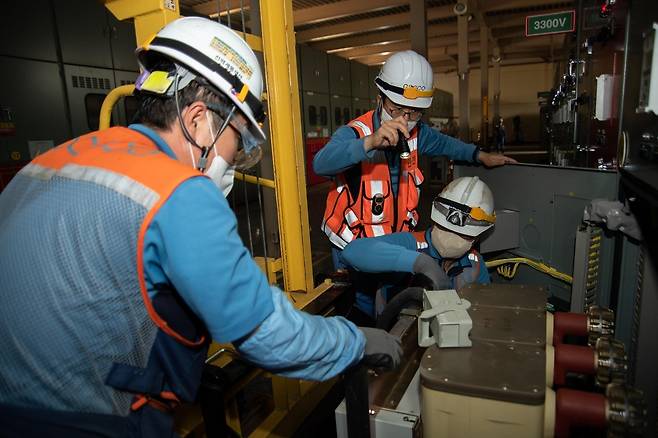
{"points": [[286, 139]]}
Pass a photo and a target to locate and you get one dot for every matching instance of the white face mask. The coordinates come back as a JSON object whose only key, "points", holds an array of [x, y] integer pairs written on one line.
{"points": [[220, 172], [385, 117], [449, 245]]}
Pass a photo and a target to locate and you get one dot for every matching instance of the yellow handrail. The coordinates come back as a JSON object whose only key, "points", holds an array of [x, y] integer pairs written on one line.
{"points": [[109, 102], [255, 180]]}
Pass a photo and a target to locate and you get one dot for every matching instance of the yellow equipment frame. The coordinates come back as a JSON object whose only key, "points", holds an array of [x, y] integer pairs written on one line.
{"points": [[293, 399], [278, 46]]}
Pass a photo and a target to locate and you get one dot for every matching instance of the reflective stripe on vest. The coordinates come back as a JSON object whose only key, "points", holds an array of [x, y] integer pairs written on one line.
{"points": [[372, 213], [74, 222], [421, 241], [125, 161]]}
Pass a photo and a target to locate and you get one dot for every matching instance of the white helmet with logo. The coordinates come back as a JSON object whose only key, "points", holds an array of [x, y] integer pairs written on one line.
{"points": [[465, 206], [219, 55], [406, 78]]}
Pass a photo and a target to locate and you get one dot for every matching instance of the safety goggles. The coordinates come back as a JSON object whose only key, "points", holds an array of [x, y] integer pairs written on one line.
{"points": [[462, 215], [249, 151], [396, 111]]}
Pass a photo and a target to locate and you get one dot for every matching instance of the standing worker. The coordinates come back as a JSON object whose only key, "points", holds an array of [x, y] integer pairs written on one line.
{"points": [[461, 213], [120, 258], [375, 192]]}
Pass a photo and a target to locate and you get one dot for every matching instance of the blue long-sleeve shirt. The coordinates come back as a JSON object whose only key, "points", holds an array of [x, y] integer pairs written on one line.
{"points": [[192, 243], [397, 252], [345, 150]]}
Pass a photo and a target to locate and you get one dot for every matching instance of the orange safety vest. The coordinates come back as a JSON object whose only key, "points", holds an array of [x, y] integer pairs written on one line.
{"points": [[126, 153], [370, 209]]}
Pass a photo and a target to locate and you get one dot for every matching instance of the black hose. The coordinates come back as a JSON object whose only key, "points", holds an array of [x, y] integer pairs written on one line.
{"points": [[393, 308]]}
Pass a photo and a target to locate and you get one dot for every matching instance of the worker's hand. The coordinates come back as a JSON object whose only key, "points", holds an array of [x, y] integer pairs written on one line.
{"points": [[383, 350], [427, 267], [495, 160], [387, 134]]}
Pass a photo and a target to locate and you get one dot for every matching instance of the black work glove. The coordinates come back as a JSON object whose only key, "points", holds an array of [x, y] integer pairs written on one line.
{"points": [[428, 267], [383, 350]]}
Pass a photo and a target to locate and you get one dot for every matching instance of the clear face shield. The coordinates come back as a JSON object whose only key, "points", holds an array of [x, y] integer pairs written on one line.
{"points": [[249, 146]]}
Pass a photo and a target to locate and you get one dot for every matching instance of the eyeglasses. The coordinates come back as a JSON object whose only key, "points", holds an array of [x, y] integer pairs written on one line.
{"points": [[396, 111], [461, 215]]}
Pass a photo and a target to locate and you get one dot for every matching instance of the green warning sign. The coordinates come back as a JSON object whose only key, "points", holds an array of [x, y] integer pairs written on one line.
{"points": [[546, 24]]}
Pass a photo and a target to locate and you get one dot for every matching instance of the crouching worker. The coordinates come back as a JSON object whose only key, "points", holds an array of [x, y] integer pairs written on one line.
{"points": [[444, 254]]}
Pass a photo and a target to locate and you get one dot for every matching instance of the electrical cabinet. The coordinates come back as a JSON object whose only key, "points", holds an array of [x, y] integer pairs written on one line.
{"points": [[359, 80], [373, 71], [86, 88], [90, 35], [339, 76], [360, 106], [123, 43], [341, 111], [32, 97], [83, 32], [316, 115], [442, 104], [28, 31], [314, 69]]}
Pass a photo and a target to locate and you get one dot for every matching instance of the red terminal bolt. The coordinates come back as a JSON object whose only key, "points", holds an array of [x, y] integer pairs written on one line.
{"points": [[575, 359], [579, 409], [565, 323]]}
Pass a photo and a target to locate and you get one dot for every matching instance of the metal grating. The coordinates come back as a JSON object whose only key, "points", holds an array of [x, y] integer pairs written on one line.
{"points": [[90, 82]]}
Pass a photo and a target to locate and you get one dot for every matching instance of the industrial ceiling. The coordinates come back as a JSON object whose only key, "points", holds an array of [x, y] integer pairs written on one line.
{"points": [[368, 31]]}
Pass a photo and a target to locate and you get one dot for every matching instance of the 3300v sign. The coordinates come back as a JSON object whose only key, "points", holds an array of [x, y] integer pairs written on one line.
{"points": [[558, 22]]}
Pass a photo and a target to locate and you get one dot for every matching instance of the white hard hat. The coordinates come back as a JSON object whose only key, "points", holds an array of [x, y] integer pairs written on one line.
{"points": [[465, 206], [219, 55], [406, 78]]}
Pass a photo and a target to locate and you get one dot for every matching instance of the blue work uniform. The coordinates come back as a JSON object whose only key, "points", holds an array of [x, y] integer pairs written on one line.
{"points": [[397, 253], [57, 238]]}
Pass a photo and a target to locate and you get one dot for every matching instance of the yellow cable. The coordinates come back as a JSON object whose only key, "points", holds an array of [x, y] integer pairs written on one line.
{"points": [[508, 267]]}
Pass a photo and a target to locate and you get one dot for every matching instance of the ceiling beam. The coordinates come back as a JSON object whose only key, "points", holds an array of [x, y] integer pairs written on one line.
{"points": [[508, 47], [389, 36], [445, 40], [397, 35], [516, 4], [340, 9], [340, 44], [320, 33]]}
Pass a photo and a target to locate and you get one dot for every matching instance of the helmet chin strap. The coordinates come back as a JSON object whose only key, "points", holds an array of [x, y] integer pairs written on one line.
{"points": [[205, 150]]}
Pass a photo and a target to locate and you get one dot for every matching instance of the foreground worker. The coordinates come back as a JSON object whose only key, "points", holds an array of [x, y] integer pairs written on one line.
{"points": [[461, 213], [120, 259], [375, 191]]}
